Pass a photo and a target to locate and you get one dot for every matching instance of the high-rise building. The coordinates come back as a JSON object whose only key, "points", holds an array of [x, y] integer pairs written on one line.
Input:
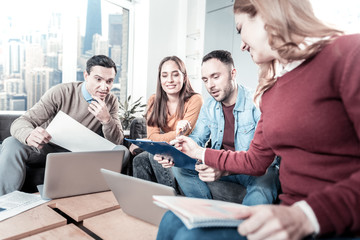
{"points": [[115, 29], [79, 40], [14, 86], [34, 56], [4, 101], [80, 75], [15, 53], [115, 54], [55, 77], [124, 55], [37, 83], [18, 102], [14, 97], [54, 45], [116, 90], [93, 23], [54, 26], [100, 45], [52, 60], [115, 42]]}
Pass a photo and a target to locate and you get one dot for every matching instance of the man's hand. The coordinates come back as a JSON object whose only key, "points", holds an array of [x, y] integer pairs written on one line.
{"points": [[274, 222], [189, 147], [99, 110], [209, 174], [165, 161], [38, 137]]}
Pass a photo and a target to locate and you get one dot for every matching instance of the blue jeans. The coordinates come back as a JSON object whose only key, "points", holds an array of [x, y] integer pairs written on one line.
{"points": [[13, 158], [171, 227], [145, 167], [260, 190]]}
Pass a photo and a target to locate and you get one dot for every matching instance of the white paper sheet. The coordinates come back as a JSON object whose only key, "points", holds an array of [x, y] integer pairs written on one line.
{"points": [[17, 202], [72, 135]]}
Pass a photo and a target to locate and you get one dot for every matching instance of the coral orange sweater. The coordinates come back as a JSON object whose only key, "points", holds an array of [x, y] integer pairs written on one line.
{"points": [[191, 108]]}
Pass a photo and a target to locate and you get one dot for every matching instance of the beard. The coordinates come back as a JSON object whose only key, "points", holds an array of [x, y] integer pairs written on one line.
{"points": [[225, 93]]}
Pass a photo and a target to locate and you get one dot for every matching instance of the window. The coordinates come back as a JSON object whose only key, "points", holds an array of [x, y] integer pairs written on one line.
{"points": [[345, 15], [44, 43]]}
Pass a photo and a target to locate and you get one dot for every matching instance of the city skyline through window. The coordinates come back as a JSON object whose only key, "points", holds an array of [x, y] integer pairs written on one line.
{"points": [[43, 44]]}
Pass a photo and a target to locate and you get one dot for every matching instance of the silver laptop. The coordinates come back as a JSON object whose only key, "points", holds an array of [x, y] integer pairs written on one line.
{"points": [[75, 173], [134, 195]]}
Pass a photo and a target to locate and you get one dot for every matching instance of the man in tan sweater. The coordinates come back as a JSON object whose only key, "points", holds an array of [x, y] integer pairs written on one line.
{"points": [[89, 102]]}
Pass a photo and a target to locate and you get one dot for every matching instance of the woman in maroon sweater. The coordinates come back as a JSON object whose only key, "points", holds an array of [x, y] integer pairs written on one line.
{"points": [[309, 94]]}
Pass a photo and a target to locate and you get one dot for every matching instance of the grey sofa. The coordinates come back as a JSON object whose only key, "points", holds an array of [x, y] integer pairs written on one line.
{"points": [[34, 172]]}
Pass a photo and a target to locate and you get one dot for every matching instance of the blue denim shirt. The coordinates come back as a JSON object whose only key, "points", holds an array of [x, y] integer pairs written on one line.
{"points": [[210, 123]]}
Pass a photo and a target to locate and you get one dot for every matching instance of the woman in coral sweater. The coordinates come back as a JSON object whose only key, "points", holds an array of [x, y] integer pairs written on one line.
{"points": [[173, 110]]}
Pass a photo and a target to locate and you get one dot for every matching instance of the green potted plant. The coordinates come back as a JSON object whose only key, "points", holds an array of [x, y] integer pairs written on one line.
{"points": [[127, 111]]}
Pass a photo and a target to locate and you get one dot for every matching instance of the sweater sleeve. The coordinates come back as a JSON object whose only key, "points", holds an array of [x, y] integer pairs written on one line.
{"points": [[113, 130], [41, 112], [254, 162], [337, 207], [192, 109]]}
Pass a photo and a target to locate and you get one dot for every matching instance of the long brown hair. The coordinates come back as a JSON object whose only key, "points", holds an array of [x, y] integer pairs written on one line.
{"points": [[284, 21], [157, 112]]}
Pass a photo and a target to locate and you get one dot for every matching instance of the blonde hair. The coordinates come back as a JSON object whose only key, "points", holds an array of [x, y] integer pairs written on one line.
{"points": [[284, 21]]}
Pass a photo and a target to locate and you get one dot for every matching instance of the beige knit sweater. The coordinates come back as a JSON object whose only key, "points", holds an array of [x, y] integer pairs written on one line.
{"points": [[68, 98]]}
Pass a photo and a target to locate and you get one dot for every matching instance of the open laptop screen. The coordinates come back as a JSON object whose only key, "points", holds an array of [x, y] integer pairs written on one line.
{"points": [[75, 173]]}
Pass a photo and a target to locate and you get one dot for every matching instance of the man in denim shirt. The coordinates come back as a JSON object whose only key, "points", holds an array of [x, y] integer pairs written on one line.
{"points": [[229, 118]]}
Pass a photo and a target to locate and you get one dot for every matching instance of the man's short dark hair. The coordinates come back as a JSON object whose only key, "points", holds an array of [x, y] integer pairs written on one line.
{"points": [[100, 60], [221, 55]]}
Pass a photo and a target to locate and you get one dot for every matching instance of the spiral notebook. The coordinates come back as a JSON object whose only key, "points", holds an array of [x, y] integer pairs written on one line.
{"points": [[197, 212]]}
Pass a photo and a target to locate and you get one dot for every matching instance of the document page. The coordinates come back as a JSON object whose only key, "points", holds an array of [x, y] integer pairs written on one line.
{"points": [[72, 135], [17, 202]]}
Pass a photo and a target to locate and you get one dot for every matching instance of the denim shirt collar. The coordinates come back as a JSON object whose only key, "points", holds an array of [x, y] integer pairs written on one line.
{"points": [[85, 93], [211, 122], [240, 99]]}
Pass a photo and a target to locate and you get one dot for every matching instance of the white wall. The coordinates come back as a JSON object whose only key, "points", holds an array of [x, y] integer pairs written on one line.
{"points": [[195, 41], [220, 33], [161, 29], [164, 38], [141, 45], [187, 29], [190, 29]]}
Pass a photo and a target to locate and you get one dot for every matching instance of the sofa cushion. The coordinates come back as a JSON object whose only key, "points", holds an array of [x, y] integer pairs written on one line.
{"points": [[34, 177], [138, 128], [6, 119], [34, 172]]}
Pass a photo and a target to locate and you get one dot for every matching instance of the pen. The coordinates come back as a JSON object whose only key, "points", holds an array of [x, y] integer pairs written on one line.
{"points": [[173, 142]]}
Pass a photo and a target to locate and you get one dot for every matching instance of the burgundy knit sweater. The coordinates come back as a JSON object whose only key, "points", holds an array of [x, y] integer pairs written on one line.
{"points": [[311, 118]]}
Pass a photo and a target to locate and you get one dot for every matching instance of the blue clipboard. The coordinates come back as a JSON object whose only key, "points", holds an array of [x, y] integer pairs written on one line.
{"points": [[180, 159]]}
